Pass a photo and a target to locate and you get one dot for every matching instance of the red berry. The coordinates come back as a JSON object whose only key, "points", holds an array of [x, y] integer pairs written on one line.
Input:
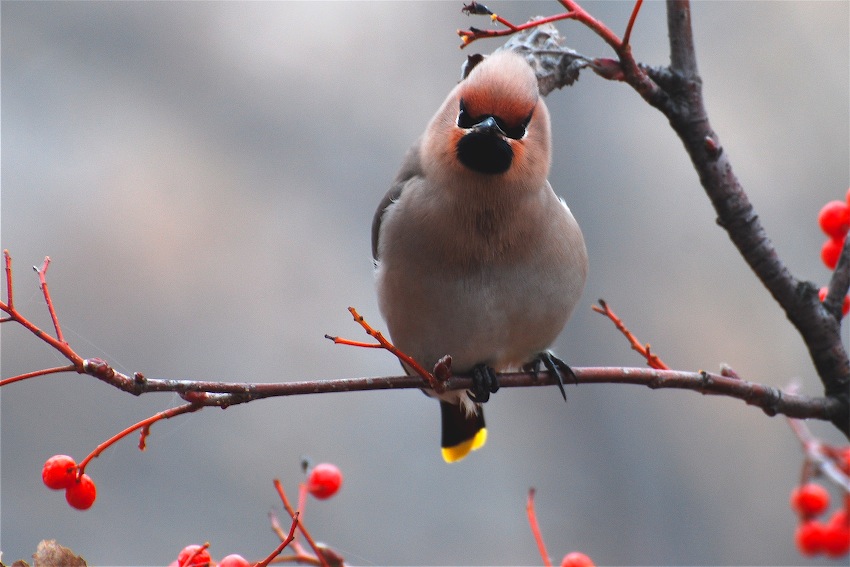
{"points": [[834, 219], [234, 560], [830, 251], [809, 537], [81, 493], [576, 559], [836, 537], [324, 480], [841, 517], [809, 500], [194, 556], [59, 472]]}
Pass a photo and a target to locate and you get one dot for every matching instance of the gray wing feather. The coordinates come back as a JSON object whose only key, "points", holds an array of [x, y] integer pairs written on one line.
{"points": [[410, 168]]}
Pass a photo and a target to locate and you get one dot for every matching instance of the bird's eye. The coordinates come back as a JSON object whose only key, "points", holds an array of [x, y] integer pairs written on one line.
{"points": [[515, 132], [464, 120]]}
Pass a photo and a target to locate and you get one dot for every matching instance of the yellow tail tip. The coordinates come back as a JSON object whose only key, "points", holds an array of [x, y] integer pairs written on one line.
{"points": [[458, 452]]}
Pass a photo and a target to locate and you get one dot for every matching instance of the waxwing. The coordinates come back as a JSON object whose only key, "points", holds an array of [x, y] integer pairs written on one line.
{"points": [[475, 256]]}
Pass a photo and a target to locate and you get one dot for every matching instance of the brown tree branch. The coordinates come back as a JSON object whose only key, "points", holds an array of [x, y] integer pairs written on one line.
{"points": [[819, 328], [683, 57], [839, 283], [676, 91], [223, 394]]}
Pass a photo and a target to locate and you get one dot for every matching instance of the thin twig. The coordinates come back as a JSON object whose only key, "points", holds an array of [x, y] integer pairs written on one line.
{"points": [[316, 549], [472, 34], [384, 343], [19, 377], [652, 360], [276, 527], [285, 541], [10, 299], [42, 278], [15, 316], [627, 36], [573, 11], [817, 455]]}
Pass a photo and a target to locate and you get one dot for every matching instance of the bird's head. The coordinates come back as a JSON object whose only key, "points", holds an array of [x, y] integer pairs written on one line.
{"points": [[493, 124]]}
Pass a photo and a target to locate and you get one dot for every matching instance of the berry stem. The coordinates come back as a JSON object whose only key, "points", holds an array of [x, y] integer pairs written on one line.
{"points": [[19, 377], [145, 423], [302, 497], [285, 541], [294, 514], [535, 528], [820, 457]]}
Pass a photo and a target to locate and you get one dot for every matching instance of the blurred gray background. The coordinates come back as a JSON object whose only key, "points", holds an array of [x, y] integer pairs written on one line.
{"points": [[203, 176]]}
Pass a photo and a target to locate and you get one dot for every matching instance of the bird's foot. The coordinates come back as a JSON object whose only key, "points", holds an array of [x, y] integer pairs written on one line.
{"points": [[557, 367], [484, 383]]}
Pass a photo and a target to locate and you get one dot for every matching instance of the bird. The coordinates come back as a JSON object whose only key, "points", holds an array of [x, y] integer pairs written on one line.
{"points": [[475, 256]]}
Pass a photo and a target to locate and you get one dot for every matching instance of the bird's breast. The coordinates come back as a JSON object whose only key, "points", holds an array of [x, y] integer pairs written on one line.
{"points": [[486, 287]]}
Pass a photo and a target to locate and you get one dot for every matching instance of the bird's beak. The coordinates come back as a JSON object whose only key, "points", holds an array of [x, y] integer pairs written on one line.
{"points": [[488, 126]]}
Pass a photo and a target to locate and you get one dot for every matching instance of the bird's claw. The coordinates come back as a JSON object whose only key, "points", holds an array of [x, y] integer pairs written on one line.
{"points": [[556, 367], [484, 383]]}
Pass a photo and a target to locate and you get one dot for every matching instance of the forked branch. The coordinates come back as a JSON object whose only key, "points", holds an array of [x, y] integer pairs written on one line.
{"points": [[676, 91]]}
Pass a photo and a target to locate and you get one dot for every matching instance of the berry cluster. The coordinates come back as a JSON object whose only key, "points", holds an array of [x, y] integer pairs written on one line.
{"points": [[198, 556], [811, 500], [323, 481], [834, 220], [61, 472]]}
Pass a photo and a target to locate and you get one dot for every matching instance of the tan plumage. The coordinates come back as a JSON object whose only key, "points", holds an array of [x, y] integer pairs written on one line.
{"points": [[475, 255]]}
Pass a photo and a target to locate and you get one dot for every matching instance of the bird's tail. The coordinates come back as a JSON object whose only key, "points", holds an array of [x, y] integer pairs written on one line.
{"points": [[462, 432]]}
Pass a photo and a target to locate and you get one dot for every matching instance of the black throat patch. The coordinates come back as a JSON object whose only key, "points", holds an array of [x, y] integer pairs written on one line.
{"points": [[485, 153]]}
